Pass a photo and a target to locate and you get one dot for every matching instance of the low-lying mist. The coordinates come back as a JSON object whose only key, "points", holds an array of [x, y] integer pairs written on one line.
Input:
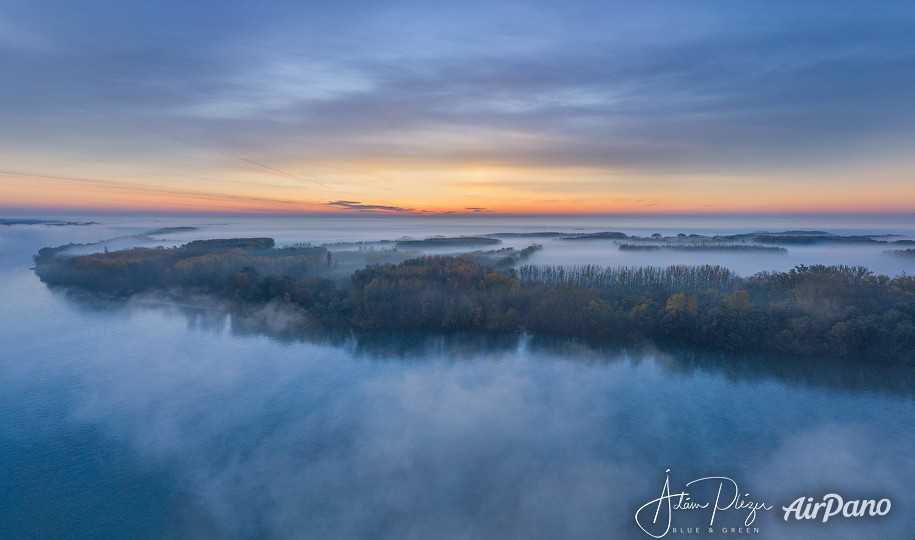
{"points": [[200, 418], [446, 437]]}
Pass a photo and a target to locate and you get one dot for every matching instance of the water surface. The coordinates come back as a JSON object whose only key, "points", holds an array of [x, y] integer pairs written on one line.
{"points": [[137, 419]]}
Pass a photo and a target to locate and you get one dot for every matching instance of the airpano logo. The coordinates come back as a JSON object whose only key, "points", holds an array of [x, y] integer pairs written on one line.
{"points": [[834, 505], [720, 506]]}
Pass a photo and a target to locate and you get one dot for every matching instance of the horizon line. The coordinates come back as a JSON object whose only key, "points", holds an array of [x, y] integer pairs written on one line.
{"points": [[121, 212]]}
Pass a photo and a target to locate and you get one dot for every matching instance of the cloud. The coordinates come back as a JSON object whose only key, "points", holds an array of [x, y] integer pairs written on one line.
{"points": [[605, 85], [356, 205], [380, 208]]}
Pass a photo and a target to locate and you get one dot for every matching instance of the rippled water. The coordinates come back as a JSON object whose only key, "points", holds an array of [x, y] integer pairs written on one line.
{"points": [[137, 419]]}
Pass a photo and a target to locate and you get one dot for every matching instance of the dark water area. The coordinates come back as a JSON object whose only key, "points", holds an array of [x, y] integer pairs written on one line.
{"points": [[151, 419]]}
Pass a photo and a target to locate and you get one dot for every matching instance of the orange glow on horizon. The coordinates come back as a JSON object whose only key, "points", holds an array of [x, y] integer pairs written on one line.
{"points": [[146, 205], [398, 187]]}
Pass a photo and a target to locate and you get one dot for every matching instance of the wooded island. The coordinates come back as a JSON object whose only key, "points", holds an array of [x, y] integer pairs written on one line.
{"points": [[817, 311]]}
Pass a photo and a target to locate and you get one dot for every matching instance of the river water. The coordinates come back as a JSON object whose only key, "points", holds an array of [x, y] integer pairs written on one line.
{"points": [[144, 419]]}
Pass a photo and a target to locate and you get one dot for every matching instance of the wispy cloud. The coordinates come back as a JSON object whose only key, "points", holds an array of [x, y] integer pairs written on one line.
{"points": [[359, 207], [611, 86]]}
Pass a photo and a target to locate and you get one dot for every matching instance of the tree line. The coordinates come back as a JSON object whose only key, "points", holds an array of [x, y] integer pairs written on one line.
{"points": [[823, 311]]}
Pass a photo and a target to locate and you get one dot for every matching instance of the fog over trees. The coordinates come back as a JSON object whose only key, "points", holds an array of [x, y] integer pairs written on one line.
{"points": [[816, 311]]}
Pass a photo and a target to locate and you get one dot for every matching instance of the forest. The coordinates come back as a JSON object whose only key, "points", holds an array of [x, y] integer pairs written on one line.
{"points": [[812, 311]]}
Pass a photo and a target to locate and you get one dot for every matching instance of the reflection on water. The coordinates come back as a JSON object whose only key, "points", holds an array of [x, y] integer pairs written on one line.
{"points": [[283, 324], [192, 412], [144, 419]]}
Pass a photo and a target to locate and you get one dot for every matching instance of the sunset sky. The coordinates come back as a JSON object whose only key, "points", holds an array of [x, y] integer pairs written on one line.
{"points": [[491, 107]]}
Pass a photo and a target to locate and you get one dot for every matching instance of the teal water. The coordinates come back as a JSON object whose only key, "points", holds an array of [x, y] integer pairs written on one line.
{"points": [[148, 420]]}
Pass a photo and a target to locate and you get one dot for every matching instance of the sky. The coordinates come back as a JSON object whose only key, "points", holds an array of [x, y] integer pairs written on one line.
{"points": [[457, 107]]}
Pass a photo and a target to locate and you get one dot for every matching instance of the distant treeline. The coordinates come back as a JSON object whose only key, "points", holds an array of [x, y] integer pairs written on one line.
{"points": [[702, 246], [53, 222], [824, 311], [785, 237], [444, 242]]}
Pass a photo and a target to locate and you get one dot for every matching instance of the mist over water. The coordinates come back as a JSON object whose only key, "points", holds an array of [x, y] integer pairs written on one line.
{"points": [[122, 232], [143, 419]]}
